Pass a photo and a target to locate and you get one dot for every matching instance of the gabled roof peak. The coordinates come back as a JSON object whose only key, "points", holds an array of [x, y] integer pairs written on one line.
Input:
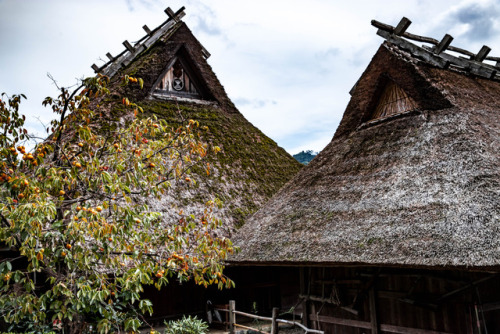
{"points": [[435, 54], [132, 51]]}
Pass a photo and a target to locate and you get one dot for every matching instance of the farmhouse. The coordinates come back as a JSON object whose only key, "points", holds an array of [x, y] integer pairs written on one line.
{"points": [[180, 84], [395, 226]]}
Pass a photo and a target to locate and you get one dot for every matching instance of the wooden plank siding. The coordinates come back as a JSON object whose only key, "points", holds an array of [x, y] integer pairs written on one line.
{"points": [[403, 301], [337, 299]]}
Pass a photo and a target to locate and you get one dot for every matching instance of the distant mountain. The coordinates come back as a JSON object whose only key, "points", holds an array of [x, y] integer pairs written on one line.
{"points": [[305, 156]]}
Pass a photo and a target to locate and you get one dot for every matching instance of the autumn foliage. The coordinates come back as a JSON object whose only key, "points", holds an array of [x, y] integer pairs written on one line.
{"points": [[75, 210]]}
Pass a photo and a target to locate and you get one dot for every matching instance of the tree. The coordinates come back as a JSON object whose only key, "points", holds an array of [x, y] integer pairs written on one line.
{"points": [[75, 209]]}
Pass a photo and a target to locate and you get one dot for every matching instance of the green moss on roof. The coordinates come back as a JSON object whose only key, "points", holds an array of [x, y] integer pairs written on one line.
{"points": [[251, 161], [250, 167]]}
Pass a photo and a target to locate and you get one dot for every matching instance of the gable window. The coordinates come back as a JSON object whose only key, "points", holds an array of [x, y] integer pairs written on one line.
{"points": [[177, 81], [393, 101]]}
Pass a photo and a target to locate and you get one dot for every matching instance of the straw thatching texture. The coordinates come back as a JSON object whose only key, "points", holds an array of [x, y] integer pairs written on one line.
{"points": [[250, 168], [422, 189]]}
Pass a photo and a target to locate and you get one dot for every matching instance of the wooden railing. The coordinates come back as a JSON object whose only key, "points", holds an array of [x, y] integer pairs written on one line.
{"points": [[273, 319]]}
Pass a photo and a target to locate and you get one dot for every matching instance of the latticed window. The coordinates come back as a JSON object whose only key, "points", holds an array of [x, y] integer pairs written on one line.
{"points": [[393, 100]]}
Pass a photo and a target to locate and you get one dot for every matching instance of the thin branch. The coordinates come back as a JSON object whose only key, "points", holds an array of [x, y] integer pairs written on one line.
{"points": [[8, 225]]}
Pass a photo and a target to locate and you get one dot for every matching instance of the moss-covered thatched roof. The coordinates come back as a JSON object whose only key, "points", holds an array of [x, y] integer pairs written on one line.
{"points": [[250, 168], [420, 188]]}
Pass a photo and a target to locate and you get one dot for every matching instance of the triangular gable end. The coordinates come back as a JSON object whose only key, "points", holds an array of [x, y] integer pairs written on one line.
{"points": [[180, 79], [393, 101], [390, 87]]}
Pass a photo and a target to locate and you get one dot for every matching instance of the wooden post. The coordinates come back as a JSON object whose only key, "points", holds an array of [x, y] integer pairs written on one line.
{"points": [[110, 57], [373, 310], [444, 44], [169, 12], [232, 316], [305, 301], [482, 53], [402, 26], [128, 46], [95, 68], [147, 30], [274, 323]]}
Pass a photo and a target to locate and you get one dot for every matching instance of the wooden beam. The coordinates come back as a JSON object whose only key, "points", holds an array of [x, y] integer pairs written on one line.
{"points": [[205, 53], [482, 53], [415, 50], [402, 26], [340, 321], [180, 13], [147, 30], [491, 306], [367, 325], [175, 16], [110, 56], [170, 13], [464, 288], [383, 26], [305, 301], [480, 69], [410, 301], [340, 281], [317, 299], [372, 300], [390, 29], [128, 46], [95, 68], [444, 44], [407, 330]]}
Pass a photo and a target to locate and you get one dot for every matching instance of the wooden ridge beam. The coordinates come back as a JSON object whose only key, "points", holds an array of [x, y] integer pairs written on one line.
{"points": [[391, 29], [439, 46], [124, 58], [477, 68], [417, 51]]}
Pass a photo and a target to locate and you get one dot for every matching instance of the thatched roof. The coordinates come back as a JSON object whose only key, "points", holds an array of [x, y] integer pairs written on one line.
{"points": [[420, 188], [250, 168]]}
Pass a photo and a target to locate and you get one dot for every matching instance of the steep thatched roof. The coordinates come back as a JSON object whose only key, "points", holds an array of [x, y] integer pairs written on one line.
{"points": [[421, 188], [250, 168]]}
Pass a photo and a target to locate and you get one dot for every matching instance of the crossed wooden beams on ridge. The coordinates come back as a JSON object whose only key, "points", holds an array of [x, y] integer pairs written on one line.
{"points": [[131, 51], [436, 54]]}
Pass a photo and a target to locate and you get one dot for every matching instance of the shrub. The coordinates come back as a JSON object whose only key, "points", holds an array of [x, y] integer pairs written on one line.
{"points": [[186, 326]]}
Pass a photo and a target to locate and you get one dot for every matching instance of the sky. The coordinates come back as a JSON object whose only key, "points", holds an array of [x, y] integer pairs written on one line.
{"points": [[287, 65]]}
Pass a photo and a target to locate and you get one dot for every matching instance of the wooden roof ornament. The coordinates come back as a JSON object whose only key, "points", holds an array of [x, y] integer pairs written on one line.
{"points": [[436, 54], [417, 188], [132, 51]]}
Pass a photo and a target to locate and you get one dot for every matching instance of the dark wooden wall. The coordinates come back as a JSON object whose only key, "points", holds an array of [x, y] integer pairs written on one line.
{"points": [[384, 300], [353, 299]]}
